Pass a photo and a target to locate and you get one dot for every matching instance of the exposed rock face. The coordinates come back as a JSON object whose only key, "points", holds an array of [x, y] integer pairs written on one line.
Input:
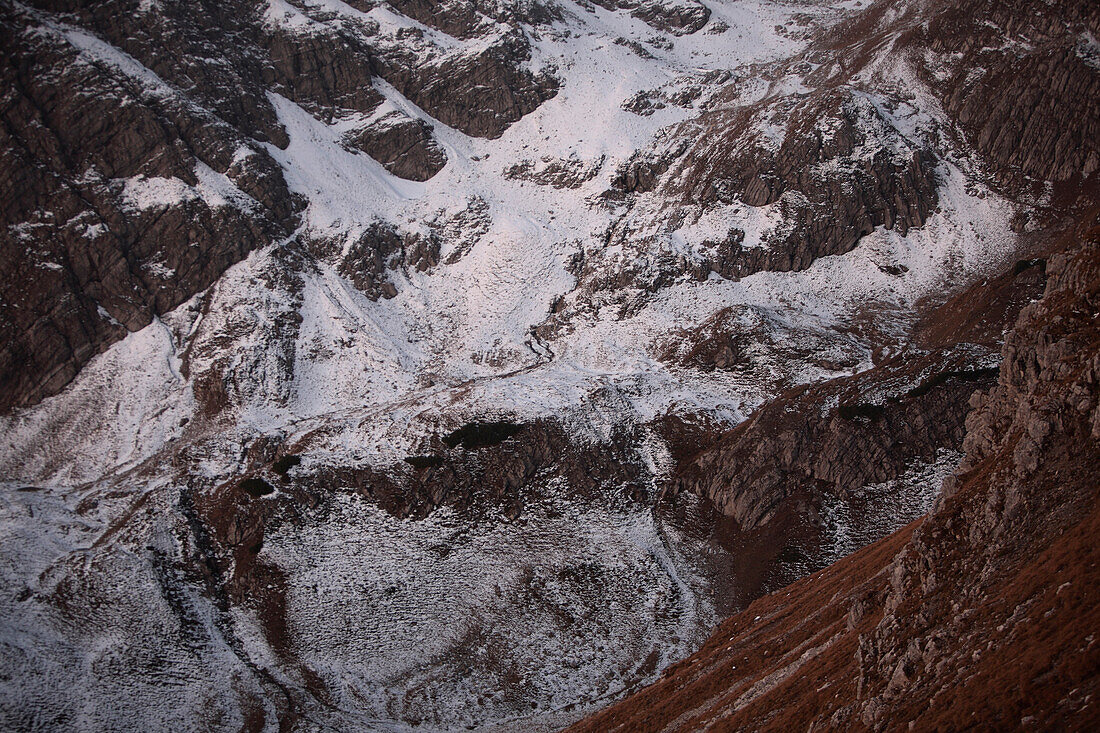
{"points": [[328, 67], [120, 202], [825, 464], [556, 172], [499, 475], [641, 172], [131, 178], [752, 344], [838, 172], [1049, 376], [373, 260], [830, 438], [182, 44], [1034, 112], [378, 251], [682, 92], [1023, 504], [326, 73], [1031, 110], [480, 94], [983, 611], [832, 165], [679, 17], [814, 172], [403, 145], [472, 18], [836, 437], [311, 533]]}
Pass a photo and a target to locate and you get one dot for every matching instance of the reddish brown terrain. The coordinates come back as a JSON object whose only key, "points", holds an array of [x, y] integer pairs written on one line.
{"points": [[983, 615]]}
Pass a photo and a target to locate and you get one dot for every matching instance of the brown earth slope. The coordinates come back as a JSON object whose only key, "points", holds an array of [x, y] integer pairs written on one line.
{"points": [[983, 615]]}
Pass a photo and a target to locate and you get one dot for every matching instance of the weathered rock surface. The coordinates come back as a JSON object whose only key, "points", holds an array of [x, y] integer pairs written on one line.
{"points": [[326, 73], [1031, 110], [839, 171], [682, 92], [748, 342], [814, 172], [982, 612], [471, 18], [499, 473], [120, 202], [556, 172], [841, 435], [132, 176], [403, 145], [182, 44], [1034, 112], [480, 94], [679, 17], [830, 438], [290, 487], [832, 166], [378, 251]]}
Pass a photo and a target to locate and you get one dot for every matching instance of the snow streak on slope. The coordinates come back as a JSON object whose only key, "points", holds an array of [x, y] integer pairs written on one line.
{"points": [[439, 622], [125, 407], [360, 368]]}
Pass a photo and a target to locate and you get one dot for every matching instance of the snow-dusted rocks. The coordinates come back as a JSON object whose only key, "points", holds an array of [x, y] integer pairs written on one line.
{"points": [[385, 333]]}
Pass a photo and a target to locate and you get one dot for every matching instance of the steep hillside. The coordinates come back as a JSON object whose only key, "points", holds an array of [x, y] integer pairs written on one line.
{"points": [[380, 365], [982, 614]]}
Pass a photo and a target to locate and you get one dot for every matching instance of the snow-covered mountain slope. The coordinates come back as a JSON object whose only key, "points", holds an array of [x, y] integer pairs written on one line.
{"points": [[355, 354], [475, 259]]}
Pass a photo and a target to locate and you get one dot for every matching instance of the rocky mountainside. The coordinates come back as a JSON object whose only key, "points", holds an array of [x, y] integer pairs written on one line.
{"points": [[982, 614], [446, 365]]}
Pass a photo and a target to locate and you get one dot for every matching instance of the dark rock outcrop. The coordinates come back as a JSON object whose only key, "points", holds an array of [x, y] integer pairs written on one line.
{"points": [[498, 474], [326, 73], [832, 162], [556, 172], [120, 200], [679, 17], [1034, 111], [750, 342], [841, 435], [673, 17], [379, 251], [1018, 77], [830, 438], [682, 92], [131, 173], [471, 18], [403, 145], [641, 172], [480, 94], [845, 169], [184, 43], [828, 165]]}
